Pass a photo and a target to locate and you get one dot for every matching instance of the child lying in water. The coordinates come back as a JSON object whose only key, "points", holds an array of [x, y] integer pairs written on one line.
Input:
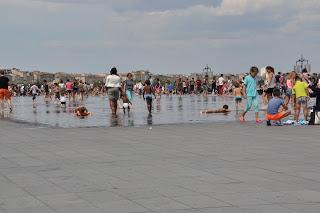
{"points": [[224, 109], [82, 111]]}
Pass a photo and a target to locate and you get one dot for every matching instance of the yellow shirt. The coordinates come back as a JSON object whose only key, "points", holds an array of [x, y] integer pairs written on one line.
{"points": [[300, 89]]}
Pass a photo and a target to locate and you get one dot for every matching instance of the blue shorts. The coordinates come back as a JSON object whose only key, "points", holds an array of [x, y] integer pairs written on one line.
{"points": [[289, 92], [238, 99], [148, 97]]}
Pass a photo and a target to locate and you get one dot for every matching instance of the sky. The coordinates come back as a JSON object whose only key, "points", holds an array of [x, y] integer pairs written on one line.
{"points": [[163, 36]]}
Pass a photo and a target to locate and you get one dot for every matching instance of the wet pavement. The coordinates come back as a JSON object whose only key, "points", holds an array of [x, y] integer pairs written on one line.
{"points": [[167, 110]]}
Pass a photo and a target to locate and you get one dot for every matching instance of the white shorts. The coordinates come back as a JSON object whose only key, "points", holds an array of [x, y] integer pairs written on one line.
{"points": [[125, 105]]}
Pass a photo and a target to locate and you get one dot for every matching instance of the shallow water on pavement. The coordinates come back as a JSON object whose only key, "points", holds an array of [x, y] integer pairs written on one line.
{"points": [[167, 110]]}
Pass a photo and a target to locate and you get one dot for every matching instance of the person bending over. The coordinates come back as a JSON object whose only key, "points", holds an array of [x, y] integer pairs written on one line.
{"points": [[277, 110]]}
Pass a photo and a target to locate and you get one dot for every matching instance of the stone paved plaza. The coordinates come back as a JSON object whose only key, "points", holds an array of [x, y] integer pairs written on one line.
{"points": [[198, 168]]}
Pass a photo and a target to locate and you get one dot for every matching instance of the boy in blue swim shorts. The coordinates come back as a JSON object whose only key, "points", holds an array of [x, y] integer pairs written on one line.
{"points": [[148, 91], [250, 93], [238, 95]]}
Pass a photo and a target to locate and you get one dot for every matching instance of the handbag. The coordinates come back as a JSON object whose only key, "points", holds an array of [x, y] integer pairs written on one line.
{"points": [[315, 117]]}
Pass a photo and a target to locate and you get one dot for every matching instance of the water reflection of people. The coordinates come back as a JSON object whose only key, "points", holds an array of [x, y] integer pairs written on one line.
{"points": [[130, 123], [180, 104], [158, 105], [169, 103], [115, 121], [149, 120]]}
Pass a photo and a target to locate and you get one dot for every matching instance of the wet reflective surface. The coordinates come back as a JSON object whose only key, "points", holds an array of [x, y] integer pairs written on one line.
{"points": [[167, 110]]}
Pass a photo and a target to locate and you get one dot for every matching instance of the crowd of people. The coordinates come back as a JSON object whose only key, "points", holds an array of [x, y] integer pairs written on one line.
{"points": [[283, 94]]}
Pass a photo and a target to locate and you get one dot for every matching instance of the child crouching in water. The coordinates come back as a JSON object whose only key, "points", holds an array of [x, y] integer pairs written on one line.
{"points": [[277, 110], [224, 109], [148, 91], [82, 112]]}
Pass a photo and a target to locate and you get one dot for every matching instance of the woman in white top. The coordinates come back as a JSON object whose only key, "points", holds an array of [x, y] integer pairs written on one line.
{"points": [[269, 84], [113, 84]]}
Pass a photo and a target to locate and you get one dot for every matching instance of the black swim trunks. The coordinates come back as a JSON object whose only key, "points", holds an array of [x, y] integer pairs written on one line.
{"points": [[269, 91]]}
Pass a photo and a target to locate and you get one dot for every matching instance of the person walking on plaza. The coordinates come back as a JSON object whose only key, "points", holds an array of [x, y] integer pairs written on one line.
{"points": [[192, 83], [220, 84], [291, 78], [47, 94], [238, 95], [128, 87], [114, 90], [69, 86], [75, 90], [81, 90], [148, 91], [35, 91], [270, 82], [214, 87], [300, 93], [180, 87], [198, 86], [250, 93], [4, 91]]}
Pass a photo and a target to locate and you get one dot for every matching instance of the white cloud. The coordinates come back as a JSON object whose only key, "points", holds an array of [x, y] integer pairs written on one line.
{"points": [[30, 4], [166, 26], [78, 44]]}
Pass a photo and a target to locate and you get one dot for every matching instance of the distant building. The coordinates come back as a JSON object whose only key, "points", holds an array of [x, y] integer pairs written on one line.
{"points": [[141, 75], [91, 78], [63, 76]]}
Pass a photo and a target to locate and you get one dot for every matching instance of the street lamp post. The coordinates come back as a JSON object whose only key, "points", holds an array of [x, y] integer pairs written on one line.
{"points": [[302, 63], [206, 70]]}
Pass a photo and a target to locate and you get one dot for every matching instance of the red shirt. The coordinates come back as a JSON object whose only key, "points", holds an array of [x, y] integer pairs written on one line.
{"points": [[69, 85]]}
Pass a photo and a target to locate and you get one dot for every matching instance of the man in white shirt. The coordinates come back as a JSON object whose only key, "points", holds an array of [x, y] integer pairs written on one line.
{"points": [[34, 89], [220, 84]]}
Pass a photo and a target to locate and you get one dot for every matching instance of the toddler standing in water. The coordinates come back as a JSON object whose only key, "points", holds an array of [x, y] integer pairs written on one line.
{"points": [[148, 91], [238, 95], [63, 100], [126, 103]]}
